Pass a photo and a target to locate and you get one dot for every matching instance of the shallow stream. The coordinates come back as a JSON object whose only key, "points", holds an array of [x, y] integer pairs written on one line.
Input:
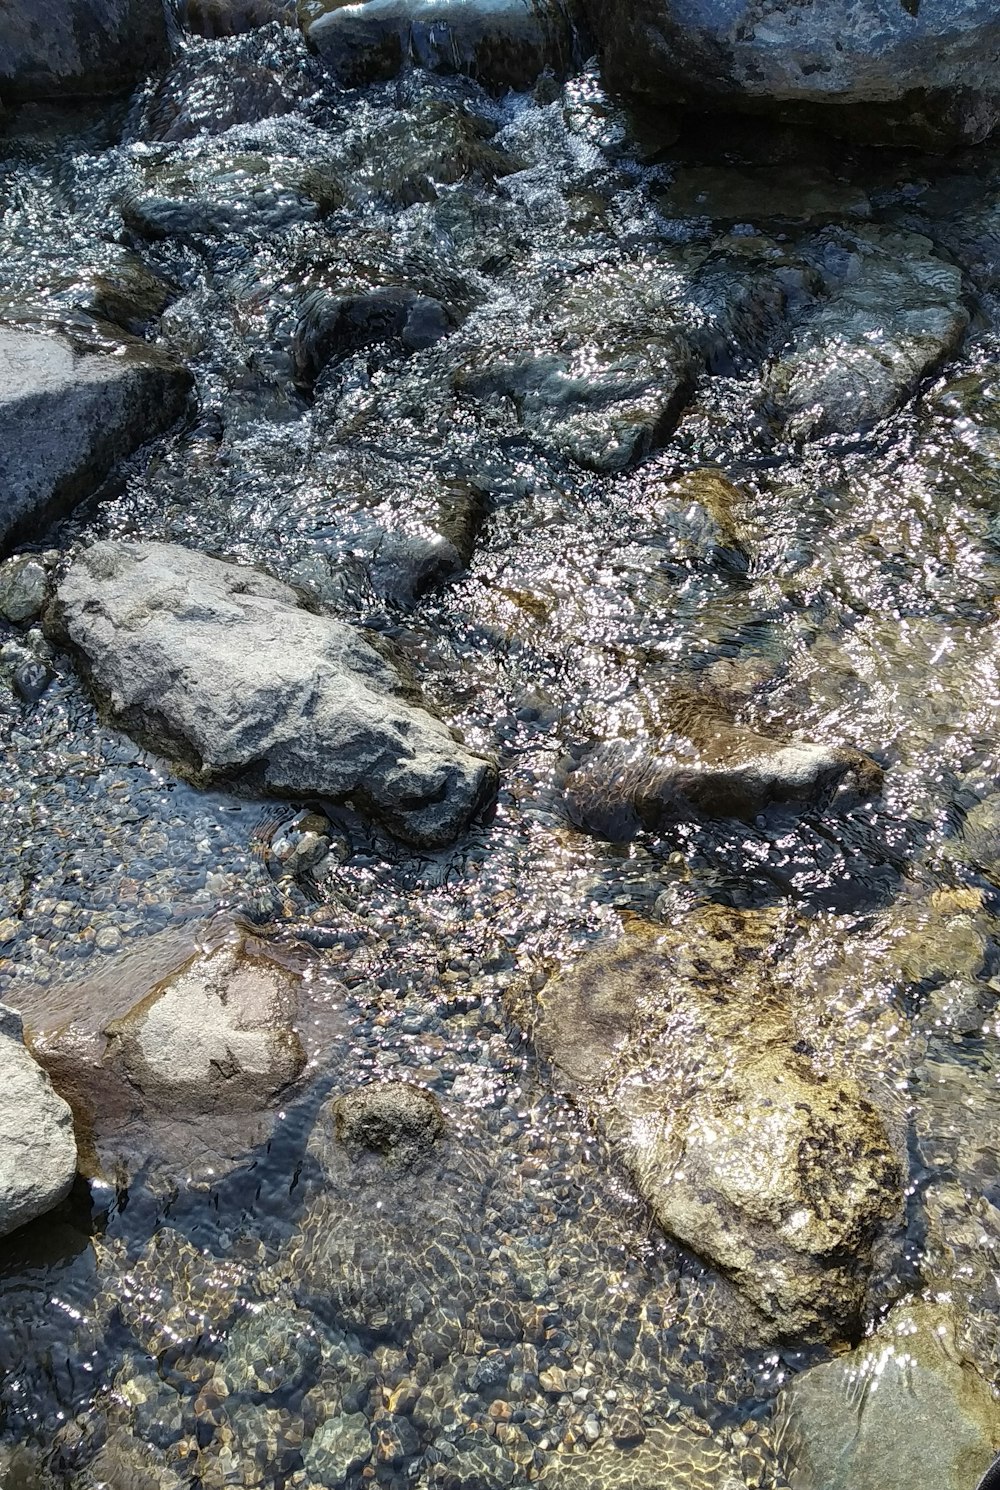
{"points": [[858, 608]]}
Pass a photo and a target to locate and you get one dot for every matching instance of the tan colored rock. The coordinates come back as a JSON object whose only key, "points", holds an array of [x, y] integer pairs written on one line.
{"points": [[776, 1170]]}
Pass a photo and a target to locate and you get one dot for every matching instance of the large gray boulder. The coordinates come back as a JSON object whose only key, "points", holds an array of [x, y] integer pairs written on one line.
{"points": [[781, 1173], [66, 419], [501, 43], [902, 1412], [900, 71], [37, 1146], [219, 668], [78, 46]]}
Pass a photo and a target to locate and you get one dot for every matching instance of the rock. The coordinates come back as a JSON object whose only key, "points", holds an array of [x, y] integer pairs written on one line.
{"points": [[902, 1412], [772, 1168], [707, 766], [390, 1118], [37, 1146], [886, 71], [338, 1447], [66, 420], [23, 589], [221, 195], [218, 667], [895, 314], [214, 18], [79, 47], [217, 1035], [598, 360], [501, 43]]}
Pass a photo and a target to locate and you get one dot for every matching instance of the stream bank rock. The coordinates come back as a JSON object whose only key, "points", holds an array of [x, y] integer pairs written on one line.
{"points": [[779, 1172], [709, 766], [67, 419], [501, 43], [37, 1146], [903, 1412], [219, 668], [888, 71], [78, 47]]}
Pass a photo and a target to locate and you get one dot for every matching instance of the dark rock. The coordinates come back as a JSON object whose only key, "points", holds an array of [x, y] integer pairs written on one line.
{"points": [[501, 43], [781, 1173], [31, 680], [886, 71], [708, 766], [218, 667], [79, 47], [332, 327], [67, 419], [391, 1118]]}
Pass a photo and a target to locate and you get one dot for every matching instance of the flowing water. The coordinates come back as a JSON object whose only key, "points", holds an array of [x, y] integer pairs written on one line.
{"points": [[860, 610]]}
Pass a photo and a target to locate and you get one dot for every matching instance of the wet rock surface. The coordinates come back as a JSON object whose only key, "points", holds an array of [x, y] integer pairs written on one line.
{"points": [[37, 1146], [709, 765], [922, 1405], [85, 47], [847, 366], [501, 43], [907, 74], [778, 1172], [66, 419], [217, 666]]}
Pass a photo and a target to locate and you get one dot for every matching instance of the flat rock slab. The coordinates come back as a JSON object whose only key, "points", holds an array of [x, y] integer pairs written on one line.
{"points": [[781, 1174], [903, 1412], [78, 46], [501, 43], [218, 667], [37, 1146], [67, 419]]}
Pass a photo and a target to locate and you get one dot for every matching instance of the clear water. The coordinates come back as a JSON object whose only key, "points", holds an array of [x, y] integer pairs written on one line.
{"points": [[867, 617]]}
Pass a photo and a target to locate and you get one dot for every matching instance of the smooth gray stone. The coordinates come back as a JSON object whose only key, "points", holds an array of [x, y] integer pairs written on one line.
{"points": [[66, 419], [37, 1146], [219, 668], [902, 1412]]}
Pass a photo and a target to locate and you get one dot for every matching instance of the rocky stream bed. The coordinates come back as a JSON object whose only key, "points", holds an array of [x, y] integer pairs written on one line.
{"points": [[499, 771]]}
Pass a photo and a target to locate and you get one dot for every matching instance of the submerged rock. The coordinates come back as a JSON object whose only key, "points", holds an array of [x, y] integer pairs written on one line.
{"points": [[772, 1168], [391, 1118], [501, 43], [218, 667], [79, 47], [67, 419], [903, 1412], [217, 1035], [707, 766], [37, 1146], [889, 71], [895, 313]]}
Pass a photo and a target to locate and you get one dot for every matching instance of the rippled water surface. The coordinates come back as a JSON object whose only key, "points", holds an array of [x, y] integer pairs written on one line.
{"points": [[852, 600]]}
